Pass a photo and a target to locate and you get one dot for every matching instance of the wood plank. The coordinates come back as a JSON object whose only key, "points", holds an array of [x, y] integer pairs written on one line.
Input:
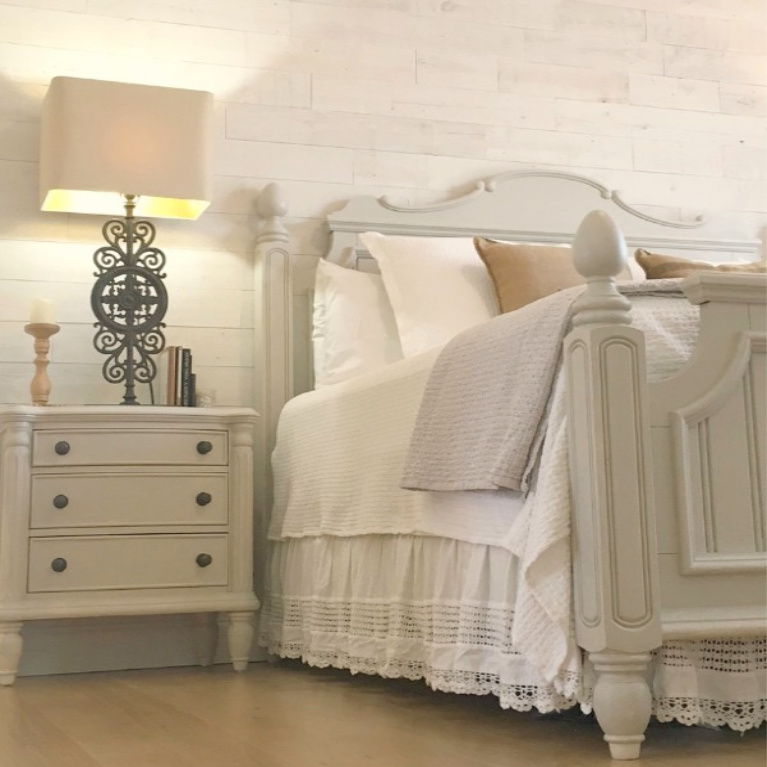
{"points": [[288, 715]]}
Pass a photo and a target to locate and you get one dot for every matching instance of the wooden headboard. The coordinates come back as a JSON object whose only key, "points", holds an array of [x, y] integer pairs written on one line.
{"points": [[521, 205], [529, 206]]}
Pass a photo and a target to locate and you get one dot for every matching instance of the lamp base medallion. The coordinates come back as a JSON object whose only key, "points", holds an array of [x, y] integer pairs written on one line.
{"points": [[129, 301]]}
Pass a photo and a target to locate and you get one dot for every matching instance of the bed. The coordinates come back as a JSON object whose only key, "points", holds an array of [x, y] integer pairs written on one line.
{"points": [[620, 565]]}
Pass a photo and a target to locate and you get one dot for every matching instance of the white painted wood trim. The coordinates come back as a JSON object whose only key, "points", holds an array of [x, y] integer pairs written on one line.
{"points": [[528, 206], [492, 184], [616, 584], [273, 318], [272, 355], [690, 429]]}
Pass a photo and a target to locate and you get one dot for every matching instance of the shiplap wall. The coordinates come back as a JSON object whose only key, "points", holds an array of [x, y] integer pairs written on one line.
{"points": [[663, 99]]}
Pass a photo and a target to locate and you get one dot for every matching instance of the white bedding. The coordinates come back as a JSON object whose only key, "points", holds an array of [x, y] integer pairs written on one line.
{"points": [[339, 457], [358, 575], [341, 452]]}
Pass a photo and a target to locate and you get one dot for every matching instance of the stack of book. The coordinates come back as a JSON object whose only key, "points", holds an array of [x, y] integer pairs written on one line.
{"points": [[175, 382]]}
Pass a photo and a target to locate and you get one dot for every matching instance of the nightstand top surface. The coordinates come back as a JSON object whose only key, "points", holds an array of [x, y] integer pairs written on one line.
{"points": [[129, 412]]}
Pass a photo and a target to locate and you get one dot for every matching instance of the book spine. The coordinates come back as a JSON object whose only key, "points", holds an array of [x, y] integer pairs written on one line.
{"points": [[186, 377], [177, 381], [170, 382]]}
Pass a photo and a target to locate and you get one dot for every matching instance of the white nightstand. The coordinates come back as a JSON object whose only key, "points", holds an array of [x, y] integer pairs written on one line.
{"points": [[117, 510]]}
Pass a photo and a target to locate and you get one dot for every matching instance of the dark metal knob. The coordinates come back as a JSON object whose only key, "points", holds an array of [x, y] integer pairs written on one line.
{"points": [[203, 499], [61, 448], [203, 560], [61, 501], [204, 447], [59, 565]]}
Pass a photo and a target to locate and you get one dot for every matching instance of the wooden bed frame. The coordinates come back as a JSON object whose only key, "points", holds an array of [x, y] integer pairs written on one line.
{"points": [[670, 478]]}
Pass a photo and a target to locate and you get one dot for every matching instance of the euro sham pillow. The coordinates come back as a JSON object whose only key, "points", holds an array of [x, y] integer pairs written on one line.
{"points": [[658, 266], [353, 329], [437, 287], [524, 272]]}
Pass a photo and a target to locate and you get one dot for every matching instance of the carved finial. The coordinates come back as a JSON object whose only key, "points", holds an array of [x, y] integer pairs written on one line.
{"points": [[599, 254], [272, 208], [271, 203]]}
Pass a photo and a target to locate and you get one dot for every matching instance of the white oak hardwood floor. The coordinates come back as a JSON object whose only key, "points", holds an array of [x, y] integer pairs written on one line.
{"points": [[288, 715]]}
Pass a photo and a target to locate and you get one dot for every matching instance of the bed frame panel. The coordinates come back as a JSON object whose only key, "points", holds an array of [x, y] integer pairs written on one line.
{"points": [[684, 453], [669, 501]]}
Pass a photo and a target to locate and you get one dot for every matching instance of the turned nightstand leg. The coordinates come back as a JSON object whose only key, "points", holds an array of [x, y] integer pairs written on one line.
{"points": [[10, 651], [240, 637]]}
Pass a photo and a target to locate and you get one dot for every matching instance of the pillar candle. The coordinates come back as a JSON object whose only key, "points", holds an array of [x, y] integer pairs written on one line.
{"points": [[43, 311]]}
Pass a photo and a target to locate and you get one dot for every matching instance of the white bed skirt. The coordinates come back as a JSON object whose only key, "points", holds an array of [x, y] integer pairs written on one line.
{"points": [[392, 606]]}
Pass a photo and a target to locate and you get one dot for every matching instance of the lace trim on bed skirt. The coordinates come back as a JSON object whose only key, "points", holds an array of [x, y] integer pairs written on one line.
{"points": [[462, 648], [543, 698], [396, 638], [713, 713], [683, 669]]}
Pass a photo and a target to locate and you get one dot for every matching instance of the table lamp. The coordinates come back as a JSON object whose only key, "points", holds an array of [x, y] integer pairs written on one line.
{"points": [[112, 148]]}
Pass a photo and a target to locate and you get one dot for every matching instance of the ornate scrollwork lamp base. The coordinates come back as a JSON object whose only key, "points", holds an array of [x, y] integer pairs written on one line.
{"points": [[129, 301]]}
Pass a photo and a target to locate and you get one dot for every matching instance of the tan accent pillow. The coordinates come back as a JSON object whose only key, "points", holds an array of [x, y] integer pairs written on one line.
{"points": [[523, 273], [657, 266]]}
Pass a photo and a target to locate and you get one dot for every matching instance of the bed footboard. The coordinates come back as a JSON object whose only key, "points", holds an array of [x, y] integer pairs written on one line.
{"points": [[709, 432], [615, 563], [668, 479]]}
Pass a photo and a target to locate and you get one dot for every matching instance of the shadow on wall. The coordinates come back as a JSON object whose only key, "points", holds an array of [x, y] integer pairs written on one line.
{"points": [[20, 105]]}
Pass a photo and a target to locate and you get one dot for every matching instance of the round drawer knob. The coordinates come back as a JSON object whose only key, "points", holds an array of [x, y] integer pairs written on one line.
{"points": [[203, 560], [59, 565], [204, 447], [61, 448], [203, 499], [61, 501]]}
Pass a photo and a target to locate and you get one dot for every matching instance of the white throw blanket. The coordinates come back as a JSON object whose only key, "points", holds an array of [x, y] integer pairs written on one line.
{"points": [[540, 537], [482, 417]]}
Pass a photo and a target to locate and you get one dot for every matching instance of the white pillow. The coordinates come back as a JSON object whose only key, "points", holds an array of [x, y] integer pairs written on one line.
{"points": [[437, 286], [353, 325], [636, 271]]}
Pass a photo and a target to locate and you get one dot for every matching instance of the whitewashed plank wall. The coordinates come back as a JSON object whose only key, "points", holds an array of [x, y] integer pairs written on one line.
{"points": [[664, 99]]}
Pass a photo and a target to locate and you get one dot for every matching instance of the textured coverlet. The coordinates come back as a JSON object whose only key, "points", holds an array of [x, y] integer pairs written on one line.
{"points": [[483, 412], [339, 457]]}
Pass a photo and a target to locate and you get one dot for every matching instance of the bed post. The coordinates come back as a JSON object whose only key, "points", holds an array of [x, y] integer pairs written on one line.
{"points": [[272, 334], [616, 591]]}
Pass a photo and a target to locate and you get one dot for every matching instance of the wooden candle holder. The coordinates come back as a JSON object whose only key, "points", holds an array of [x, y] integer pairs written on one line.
{"points": [[41, 384]]}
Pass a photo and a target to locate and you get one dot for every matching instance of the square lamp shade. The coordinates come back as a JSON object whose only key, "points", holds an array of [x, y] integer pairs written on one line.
{"points": [[109, 148], [103, 140]]}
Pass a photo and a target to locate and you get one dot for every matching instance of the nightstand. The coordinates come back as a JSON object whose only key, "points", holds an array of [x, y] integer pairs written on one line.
{"points": [[117, 510]]}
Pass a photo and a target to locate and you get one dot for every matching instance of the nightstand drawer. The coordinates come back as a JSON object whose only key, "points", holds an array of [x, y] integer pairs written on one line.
{"points": [[137, 498], [73, 447], [99, 563]]}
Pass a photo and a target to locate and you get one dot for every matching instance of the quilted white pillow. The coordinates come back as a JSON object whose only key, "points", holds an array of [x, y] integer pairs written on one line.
{"points": [[353, 325], [437, 286]]}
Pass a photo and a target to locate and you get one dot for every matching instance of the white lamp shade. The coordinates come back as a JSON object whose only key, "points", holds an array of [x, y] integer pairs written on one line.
{"points": [[102, 140]]}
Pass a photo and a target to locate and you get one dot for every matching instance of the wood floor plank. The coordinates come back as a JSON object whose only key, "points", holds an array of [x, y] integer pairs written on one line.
{"points": [[29, 739], [291, 716]]}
